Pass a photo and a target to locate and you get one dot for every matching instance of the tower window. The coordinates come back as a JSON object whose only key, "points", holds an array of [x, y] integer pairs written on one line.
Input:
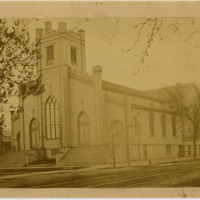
{"points": [[50, 55], [73, 55]]}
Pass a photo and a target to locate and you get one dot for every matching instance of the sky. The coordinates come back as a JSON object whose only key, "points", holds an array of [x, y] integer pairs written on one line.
{"points": [[172, 60], [173, 53]]}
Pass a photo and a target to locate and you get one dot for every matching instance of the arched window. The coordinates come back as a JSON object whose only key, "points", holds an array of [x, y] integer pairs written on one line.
{"points": [[83, 126], [151, 124], [52, 118], [118, 128], [34, 137], [163, 123], [118, 132], [174, 126]]}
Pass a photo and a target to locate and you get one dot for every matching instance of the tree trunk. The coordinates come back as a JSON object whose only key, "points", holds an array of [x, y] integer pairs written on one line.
{"points": [[1, 137], [196, 131]]}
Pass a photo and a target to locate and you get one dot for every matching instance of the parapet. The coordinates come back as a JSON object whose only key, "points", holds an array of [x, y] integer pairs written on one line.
{"points": [[97, 68], [81, 74], [62, 29]]}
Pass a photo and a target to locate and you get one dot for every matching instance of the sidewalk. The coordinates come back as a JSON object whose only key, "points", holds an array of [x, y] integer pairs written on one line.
{"points": [[46, 169], [147, 163]]}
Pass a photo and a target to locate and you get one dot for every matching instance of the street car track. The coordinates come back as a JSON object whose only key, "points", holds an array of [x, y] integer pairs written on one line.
{"points": [[94, 181], [126, 181], [102, 177], [131, 179]]}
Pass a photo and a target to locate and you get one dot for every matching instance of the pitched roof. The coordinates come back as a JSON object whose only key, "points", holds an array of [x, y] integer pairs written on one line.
{"points": [[164, 94], [122, 89]]}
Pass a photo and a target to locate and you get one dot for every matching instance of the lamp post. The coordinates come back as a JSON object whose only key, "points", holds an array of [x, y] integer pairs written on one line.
{"points": [[42, 136], [113, 146], [126, 129]]}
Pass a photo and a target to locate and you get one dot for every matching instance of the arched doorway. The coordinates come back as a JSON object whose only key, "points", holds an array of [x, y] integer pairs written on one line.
{"points": [[83, 126], [34, 136]]}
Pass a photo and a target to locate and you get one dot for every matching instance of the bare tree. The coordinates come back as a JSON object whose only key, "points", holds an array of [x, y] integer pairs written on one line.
{"points": [[152, 28], [187, 104]]}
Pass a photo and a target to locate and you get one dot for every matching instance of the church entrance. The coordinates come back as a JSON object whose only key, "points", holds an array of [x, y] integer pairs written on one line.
{"points": [[83, 126], [34, 136]]}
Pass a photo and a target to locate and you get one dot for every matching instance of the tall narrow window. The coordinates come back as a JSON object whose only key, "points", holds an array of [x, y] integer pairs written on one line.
{"points": [[52, 118], [73, 55], [151, 124], [34, 137], [136, 125], [163, 123], [50, 55], [174, 126], [189, 150], [168, 149]]}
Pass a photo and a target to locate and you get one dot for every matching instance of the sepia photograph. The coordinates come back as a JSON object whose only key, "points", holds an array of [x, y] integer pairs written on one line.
{"points": [[100, 102]]}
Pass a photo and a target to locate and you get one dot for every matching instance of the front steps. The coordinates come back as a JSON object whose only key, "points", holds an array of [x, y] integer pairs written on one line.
{"points": [[12, 159], [88, 155]]}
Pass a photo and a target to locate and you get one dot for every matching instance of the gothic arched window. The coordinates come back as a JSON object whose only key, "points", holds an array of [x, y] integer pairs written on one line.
{"points": [[34, 137], [52, 118], [151, 124], [163, 123]]}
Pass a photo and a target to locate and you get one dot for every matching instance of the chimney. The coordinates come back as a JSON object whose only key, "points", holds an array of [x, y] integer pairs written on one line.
{"points": [[39, 33], [48, 27], [62, 27]]}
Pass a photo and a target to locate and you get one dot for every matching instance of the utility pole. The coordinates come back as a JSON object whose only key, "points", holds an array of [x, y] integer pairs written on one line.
{"points": [[39, 34], [127, 132], [43, 149], [113, 146], [138, 135]]}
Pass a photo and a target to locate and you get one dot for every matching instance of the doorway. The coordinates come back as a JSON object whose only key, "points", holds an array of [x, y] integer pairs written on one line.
{"points": [[83, 126]]}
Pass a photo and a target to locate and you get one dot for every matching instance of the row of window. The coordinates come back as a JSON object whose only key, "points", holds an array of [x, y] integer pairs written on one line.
{"points": [[52, 120], [188, 149], [163, 123], [50, 55]]}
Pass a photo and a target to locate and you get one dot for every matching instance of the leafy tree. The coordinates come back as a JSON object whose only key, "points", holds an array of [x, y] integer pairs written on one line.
{"points": [[18, 60]]}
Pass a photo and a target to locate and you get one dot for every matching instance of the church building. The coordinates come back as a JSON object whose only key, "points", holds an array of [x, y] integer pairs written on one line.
{"points": [[82, 119]]}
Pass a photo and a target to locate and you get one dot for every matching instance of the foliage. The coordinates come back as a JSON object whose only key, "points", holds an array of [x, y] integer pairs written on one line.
{"points": [[18, 61]]}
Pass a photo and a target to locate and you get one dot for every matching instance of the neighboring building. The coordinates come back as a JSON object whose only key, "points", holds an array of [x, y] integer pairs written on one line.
{"points": [[78, 111]]}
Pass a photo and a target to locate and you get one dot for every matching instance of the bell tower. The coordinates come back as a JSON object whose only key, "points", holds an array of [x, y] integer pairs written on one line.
{"points": [[61, 50], [62, 47]]}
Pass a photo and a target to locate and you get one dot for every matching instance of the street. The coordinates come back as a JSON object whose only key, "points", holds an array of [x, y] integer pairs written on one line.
{"points": [[185, 174]]}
